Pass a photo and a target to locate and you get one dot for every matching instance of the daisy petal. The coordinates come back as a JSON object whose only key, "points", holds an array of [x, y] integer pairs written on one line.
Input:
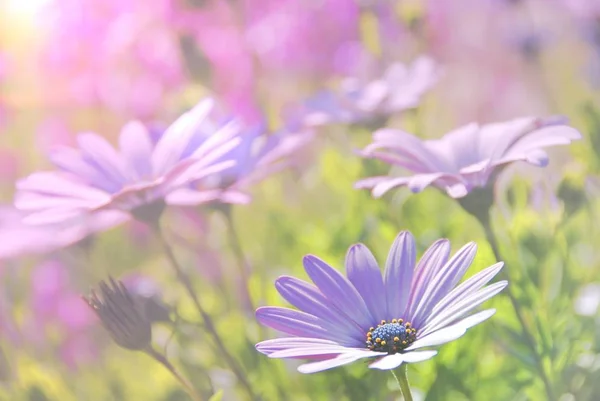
{"points": [[309, 299], [388, 362], [363, 272], [393, 361], [399, 269], [279, 344], [176, 138], [315, 350], [338, 290], [443, 281], [453, 332], [292, 322], [463, 307], [342, 359], [136, 148], [467, 288], [431, 262]]}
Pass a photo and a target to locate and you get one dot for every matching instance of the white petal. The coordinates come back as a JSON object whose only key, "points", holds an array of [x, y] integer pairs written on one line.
{"points": [[340, 360], [419, 356], [393, 361], [388, 362], [453, 332], [460, 309]]}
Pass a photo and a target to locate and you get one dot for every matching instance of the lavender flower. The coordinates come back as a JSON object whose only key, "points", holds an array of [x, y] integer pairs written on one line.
{"points": [[400, 88], [259, 155], [140, 179], [466, 158], [390, 318]]}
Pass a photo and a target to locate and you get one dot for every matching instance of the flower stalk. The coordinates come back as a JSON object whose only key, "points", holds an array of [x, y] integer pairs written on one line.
{"points": [[244, 268], [527, 335], [402, 379], [478, 204], [207, 320], [158, 357]]}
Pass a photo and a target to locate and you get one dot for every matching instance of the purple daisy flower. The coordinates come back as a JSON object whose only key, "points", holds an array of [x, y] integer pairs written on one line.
{"points": [[466, 158], [392, 318], [140, 179], [258, 155], [400, 88]]}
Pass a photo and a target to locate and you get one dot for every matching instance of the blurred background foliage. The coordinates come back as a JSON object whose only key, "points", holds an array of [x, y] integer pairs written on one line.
{"points": [[501, 59]]}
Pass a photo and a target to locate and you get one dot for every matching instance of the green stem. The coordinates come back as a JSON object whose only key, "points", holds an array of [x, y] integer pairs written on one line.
{"points": [[243, 267], [165, 362], [207, 320], [527, 335], [402, 379]]}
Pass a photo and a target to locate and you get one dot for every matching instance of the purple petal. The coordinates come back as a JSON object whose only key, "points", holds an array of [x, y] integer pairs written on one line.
{"points": [[36, 201], [429, 264], [136, 148], [310, 351], [380, 189], [191, 197], [56, 184], [544, 137], [443, 282], [405, 145], [52, 216], [338, 290], [292, 322], [71, 160], [363, 272], [459, 309], [466, 289], [370, 182], [343, 359], [103, 157], [453, 332], [419, 182], [169, 149], [399, 269], [180, 177], [537, 157], [309, 299], [457, 148], [221, 138], [279, 344]]}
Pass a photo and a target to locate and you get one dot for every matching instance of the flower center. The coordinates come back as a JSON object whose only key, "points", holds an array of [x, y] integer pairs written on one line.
{"points": [[391, 337]]}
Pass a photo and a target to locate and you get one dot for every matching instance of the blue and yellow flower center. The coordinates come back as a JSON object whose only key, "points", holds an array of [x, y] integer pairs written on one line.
{"points": [[391, 337]]}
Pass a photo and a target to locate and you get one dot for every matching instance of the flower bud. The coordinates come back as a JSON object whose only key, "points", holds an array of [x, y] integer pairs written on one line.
{"points": [[121, 316]]}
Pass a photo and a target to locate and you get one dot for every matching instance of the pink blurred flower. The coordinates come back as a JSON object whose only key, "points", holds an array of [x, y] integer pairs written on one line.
{"points": [[122, 55], [9, 166], [3, 78], [221, 39], [53, 133], [305, 37], [56, 305]]}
